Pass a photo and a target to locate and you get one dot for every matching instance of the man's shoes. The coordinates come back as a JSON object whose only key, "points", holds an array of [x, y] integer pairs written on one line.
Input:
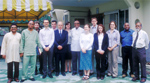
{"points": [[134, 79], [102, 78], [98, 78], [32, 79], [44, 76], [22, 80], [124, 75], [9, 80], [50, 75], [74, 74], [63, 74], [16, 79], [57, 74], [132, 75], [108, 75], [143, 80]]}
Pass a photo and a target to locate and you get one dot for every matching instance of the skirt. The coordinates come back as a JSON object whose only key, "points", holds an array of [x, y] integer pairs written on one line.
{"points": [[86, 60], [68, 53]]}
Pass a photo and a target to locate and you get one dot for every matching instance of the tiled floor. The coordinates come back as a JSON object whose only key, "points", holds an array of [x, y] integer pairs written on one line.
{"points": [[69, 78]]}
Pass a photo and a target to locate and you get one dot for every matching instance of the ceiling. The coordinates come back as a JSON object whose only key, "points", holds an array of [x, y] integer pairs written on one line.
{"points": [[78, 3]]}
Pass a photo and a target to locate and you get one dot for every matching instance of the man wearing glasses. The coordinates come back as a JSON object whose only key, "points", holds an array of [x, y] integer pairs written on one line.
{"points": [[10, 52], [29, 42], [75, 47], [140, 44]]}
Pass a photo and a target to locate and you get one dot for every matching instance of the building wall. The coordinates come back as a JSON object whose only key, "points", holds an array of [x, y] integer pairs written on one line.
{"points": [[75, 12]]}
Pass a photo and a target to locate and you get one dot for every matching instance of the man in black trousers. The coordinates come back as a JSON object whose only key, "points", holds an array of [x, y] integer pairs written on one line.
{"points": [[61, 39], [140, 44]]}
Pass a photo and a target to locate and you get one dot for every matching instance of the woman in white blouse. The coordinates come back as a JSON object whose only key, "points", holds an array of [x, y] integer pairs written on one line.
{"points": [[100, 46], [86, 42]]}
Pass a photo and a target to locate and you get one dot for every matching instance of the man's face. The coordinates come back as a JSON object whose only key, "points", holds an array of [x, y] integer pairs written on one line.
{"points": [[36, 26], [76, 24], [46, 23], [126, 26], [53, 24], [138, 26], [94, 22], [31, 25], [14, 28], [60, 25]]}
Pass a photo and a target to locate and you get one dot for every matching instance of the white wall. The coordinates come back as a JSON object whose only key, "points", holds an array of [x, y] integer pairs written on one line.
{"points": [[75, 12]]}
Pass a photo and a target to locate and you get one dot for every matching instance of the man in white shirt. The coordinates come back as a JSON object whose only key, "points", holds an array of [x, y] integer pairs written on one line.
{"points": [[140, 44], [10, 52], [46, 36], [93, 30], [75, 47]]}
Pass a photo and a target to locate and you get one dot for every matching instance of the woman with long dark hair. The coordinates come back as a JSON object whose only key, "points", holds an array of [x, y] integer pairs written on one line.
{"points": [[68, 54], [100, 45]]}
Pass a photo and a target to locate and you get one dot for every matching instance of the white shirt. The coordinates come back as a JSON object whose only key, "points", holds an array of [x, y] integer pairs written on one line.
{"points": [[10, 47], [93, 29], [100, 41], [46, 37], [75, 37], [142, 41], [86, 41], [69, 37]]}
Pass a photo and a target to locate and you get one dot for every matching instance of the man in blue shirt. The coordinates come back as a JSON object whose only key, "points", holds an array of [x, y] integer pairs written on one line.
{"points": [[126, 41]]}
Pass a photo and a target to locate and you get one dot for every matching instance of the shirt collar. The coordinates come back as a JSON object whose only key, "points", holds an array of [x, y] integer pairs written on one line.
{"points": [[126, 31], [47, 28], [94, 27], [110, 30]]}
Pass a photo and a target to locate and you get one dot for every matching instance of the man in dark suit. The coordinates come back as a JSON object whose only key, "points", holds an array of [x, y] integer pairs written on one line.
{"points": [[61, 39]]}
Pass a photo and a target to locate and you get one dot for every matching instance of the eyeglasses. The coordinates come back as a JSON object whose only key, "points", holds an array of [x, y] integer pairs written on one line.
{"points": [[137, 25], [76, 23], [31, 24], [13, 27]]}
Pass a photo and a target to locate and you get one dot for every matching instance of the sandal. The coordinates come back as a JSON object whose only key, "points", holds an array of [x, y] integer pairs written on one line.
{"points": [[87, 77], [84, 77]]}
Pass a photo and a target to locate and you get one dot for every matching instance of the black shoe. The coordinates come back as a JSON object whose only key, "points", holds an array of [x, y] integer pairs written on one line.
{"points": [[143, 80], [22, 80], [63, 74], [74, 74], [98, 78], [50, 75], [134, 79], [57, 74], [81, 74], [32, 79], [102, 78], [44, 76]]}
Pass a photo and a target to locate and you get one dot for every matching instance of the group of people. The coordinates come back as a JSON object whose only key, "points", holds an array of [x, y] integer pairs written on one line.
{"points": [[78, 46]]}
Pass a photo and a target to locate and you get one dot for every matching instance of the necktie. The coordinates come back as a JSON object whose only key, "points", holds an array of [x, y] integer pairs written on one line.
{"points": [[134, 45]]}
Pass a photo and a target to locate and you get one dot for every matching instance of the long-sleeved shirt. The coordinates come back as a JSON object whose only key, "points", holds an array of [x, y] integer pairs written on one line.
{"points": [[75, 37], [86, 41], [46, 37], [114, 37], [93, 29], [29, 42], [126, 37], [142, 41], [10, 47]]}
